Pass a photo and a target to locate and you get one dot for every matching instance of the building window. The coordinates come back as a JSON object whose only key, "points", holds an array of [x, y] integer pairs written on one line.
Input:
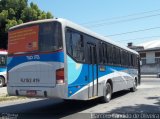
{"points": [[157, 57], [157, 54], [143, 55], [143, 58]]}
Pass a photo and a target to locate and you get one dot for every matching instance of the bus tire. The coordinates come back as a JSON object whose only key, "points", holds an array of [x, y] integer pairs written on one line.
{"points": [[2, 81], [134, 88], [107, 93]]}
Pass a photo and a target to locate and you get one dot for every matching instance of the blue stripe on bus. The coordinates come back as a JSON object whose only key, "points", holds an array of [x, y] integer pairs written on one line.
{"points": [[54, 57], [3, 69], [77, 73]]}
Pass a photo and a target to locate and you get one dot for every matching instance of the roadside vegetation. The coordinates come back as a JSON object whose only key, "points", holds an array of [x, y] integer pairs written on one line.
{"points": [[10, 98], [14, 12]]}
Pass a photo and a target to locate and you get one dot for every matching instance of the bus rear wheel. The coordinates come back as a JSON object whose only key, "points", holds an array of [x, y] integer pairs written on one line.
{"points": [[134, 88], [2, 81], [107, 93]]}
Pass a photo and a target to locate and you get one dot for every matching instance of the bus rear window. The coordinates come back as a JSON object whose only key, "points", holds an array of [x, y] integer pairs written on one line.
{"points": [[35, 38], [50, 37]]}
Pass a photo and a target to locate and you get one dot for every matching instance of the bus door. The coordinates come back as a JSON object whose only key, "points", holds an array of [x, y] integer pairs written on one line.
{"points": [[92, 71]]}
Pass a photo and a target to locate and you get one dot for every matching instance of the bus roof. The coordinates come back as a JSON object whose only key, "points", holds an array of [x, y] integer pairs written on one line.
{"points": [[89, 32], [33, 22], [79, 28]]}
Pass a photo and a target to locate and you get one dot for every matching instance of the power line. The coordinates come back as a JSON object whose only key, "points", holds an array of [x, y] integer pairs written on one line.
{"points": [[119, 17], [138, 38], [133, 31], [125, 20]]}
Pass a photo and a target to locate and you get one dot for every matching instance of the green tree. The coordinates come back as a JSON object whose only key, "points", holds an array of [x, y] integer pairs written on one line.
{"points": [[14, 12]]}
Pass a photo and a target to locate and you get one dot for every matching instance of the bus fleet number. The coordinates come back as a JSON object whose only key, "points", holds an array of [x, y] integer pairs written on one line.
{"points": [[34, 57]]}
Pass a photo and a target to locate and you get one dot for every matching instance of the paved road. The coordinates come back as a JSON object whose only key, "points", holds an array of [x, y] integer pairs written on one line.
{"points": [[3, 91], [145, 100]]}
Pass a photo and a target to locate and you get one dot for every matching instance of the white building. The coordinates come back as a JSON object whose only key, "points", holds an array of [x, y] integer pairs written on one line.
{"points": [[150, 56], [151, 52]]}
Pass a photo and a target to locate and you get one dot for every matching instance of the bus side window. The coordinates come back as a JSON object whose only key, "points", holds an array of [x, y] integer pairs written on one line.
{"points": [[75, 45], [109, 52], [100, 53], [106, 54], [123, 57], [114, 55], [78, 46], [69, 42]]}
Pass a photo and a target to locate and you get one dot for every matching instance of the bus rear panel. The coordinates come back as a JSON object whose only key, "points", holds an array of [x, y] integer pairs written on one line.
{"points": [[36, 60]]}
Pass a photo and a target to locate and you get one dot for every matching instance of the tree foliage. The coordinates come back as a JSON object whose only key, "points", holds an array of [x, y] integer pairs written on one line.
{"points": [[14, 12]]}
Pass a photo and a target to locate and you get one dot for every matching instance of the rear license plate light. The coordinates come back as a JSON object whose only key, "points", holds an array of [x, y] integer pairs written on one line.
{"points": [[31, 92]]}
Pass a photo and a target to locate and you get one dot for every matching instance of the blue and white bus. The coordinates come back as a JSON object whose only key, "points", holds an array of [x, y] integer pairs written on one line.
{"points": [[56, 58], [3, 68]]}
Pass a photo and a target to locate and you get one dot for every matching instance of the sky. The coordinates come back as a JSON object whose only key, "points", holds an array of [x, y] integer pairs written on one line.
{"points": [[122, 21]]}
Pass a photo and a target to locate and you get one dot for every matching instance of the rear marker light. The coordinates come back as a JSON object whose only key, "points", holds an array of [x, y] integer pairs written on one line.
{"points": [[60, 76]]}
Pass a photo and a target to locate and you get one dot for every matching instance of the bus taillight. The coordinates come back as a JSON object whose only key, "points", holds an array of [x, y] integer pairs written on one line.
{"points": [[60, 76]]}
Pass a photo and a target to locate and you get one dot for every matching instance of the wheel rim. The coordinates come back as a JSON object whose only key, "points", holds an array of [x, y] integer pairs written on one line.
{"points": [[108, 92]]}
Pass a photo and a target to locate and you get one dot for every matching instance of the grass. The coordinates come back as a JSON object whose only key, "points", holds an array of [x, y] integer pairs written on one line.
{"points": [[10, 98]]}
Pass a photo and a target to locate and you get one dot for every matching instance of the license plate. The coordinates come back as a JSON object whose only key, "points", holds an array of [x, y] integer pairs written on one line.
{"points": [[31, 92]]}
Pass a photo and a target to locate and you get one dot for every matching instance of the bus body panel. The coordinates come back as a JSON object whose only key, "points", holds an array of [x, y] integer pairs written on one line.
{"points": [[79, 82], [35, 72], [41, 91], [33, 67], [76, 73]]}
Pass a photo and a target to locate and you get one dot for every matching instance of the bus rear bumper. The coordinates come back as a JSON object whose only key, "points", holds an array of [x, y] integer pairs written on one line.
{"points": [[46, 92]]}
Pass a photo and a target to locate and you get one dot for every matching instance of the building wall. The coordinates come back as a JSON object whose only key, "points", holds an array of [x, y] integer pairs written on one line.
{"points": [[150, 63], [150, 69], [150, 57]]}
